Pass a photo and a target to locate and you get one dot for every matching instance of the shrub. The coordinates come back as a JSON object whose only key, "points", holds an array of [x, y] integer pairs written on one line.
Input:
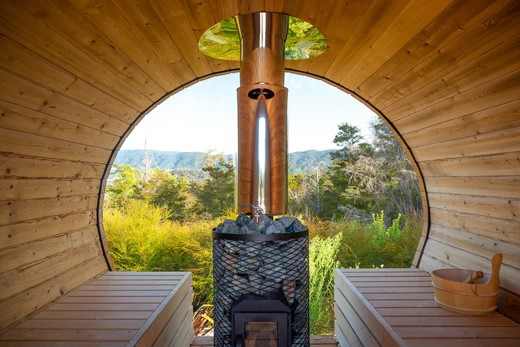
{"points": [[322, 263], [141, 238]]}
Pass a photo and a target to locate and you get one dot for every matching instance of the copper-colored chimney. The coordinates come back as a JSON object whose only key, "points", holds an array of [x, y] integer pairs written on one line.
{"points": [[262, 114]]}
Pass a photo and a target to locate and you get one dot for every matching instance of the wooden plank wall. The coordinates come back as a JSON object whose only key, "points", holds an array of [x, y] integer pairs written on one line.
{"points": [[76, 74]]}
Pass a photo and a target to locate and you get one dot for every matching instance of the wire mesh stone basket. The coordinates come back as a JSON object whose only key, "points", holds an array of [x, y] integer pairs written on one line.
{"points": [[268, 266]]}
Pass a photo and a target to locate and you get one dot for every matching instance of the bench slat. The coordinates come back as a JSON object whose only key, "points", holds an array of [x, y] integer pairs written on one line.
{"points": [[106, 293], [112, 310], [135, 283], [92, 315], [83, 324], [462, 342], [495, 320], [63, 344], [103, 307], [393, 284], [68, 334], [402, 303], [344, 309], [110, 299], [403, 300], [365, 278]]}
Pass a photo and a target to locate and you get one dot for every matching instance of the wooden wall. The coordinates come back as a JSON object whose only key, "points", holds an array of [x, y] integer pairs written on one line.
{"points": [[76, 74]]}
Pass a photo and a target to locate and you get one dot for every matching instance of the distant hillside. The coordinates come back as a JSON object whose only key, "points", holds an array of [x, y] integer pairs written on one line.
{"points": [[193, 161]]}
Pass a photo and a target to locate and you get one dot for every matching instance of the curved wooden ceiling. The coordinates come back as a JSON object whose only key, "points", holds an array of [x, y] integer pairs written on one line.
{"points": [[75, 75]]}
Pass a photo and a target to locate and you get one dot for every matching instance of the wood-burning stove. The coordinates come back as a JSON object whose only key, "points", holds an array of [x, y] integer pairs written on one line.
{"points": [[261, 322], [260, 264], [261, 285]]}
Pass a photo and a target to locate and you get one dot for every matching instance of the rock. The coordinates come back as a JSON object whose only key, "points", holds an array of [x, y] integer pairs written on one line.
{"points": [[286, 221], [280, 228], [231, 248], [289, 290], [261, 228], [263, 224], [252, 227], [269, 286], [243, 220], [245, 225], [256, 282], [296, 227], [247, 265], [252, 250], [264, 219], [271, 229], [230, 227], [239, 283], [274, 272]]}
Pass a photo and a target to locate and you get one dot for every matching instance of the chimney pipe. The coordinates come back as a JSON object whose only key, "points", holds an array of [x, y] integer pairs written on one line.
{"points": [[262, 114]]}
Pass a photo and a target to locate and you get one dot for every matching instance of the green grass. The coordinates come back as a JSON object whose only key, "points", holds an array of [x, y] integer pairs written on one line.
{"points": [[323, 255], [142, 238]]}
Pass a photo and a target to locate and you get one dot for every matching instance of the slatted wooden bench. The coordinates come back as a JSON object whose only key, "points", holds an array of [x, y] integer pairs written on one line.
{"points": [[395, 307], [115, 309]]}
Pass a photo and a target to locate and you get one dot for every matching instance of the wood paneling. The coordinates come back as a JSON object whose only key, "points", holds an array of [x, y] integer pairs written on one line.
{"points": [[74, 75], [466, 257], [32, 296]]}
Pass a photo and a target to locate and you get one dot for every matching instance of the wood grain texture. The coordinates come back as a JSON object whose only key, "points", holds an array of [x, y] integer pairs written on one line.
{"points": [[83, 321], [412, 319], [75, 75]]}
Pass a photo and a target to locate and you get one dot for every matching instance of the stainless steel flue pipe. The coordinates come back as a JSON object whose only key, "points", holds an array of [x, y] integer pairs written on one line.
{"points": [[262, 114]]}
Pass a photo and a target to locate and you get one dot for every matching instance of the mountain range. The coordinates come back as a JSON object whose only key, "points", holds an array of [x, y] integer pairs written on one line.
{"points": [[299, 162]]}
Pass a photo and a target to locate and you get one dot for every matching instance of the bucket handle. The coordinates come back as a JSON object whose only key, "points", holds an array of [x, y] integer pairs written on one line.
{"points": [[496, 263]]}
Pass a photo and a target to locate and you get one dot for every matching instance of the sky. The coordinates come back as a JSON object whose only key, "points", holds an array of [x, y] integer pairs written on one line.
{"points": [[203, 117]]}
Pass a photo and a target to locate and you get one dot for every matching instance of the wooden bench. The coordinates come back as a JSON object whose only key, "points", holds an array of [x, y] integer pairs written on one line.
{"points": [[395, 307], [115, 309]]}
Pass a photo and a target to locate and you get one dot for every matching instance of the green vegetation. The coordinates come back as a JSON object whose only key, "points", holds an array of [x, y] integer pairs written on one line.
{"points": [[323, 259], [222, 40], [363, 210], [143, 238]]}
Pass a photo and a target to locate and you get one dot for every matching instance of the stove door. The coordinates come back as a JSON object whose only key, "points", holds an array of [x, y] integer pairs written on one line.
{"points": [[260, 334], [261, 329]]}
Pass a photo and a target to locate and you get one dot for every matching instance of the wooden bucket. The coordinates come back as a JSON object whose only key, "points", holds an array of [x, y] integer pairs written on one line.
{"points": [[467, 291]]}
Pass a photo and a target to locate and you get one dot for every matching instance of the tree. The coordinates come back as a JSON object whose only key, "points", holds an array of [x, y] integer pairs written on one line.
{"points": [[340, 188], [369, 177], [216, 195], [304, 194], [401, 190], [347, 138], [126, 186], [386, 144], [366, 150], [170, 192]]}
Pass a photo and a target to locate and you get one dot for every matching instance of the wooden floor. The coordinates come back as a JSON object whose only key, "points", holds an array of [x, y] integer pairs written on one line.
{"points": [[115, 309], [395, 307], [316, 341]]}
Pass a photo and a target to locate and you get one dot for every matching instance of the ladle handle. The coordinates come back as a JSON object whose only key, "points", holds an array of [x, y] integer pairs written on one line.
{"points": [[496, 263]]}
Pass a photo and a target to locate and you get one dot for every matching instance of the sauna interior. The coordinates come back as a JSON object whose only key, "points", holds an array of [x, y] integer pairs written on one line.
{"points": [[78, 75]]}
